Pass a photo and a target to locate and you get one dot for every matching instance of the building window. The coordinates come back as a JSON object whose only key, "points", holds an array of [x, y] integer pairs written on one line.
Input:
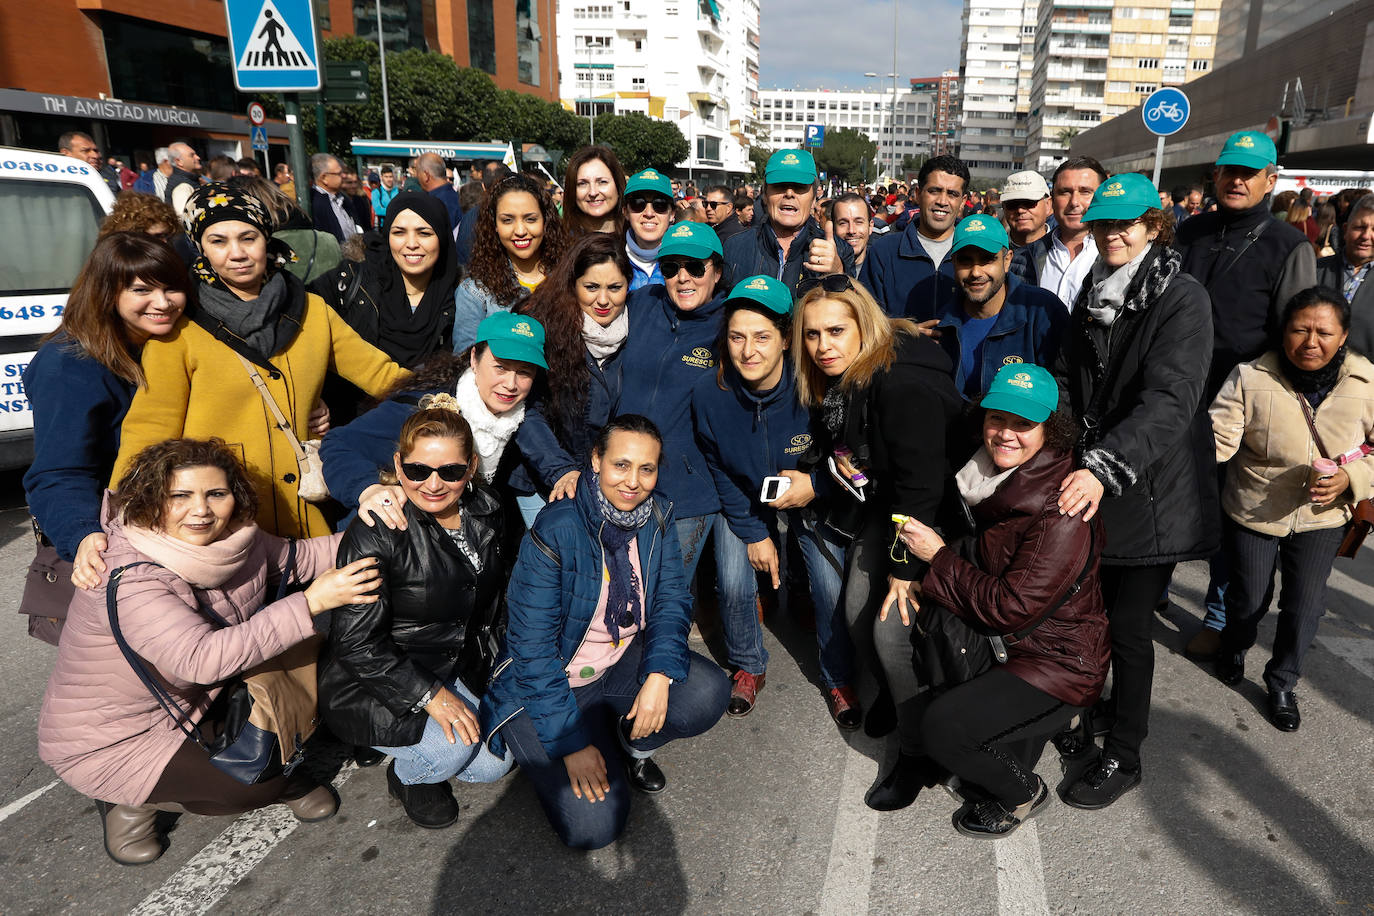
{"points": [[1147, 63], [403, 22], [482, 35], [1202, 41], [1119, 87], [1144, 88], [527, 41], [155, 63], [1201, 64], [708, 148]]}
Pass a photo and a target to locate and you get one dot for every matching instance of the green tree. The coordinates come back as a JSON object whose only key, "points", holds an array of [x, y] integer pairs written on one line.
{"points": [[758, 157], [847, 154], [640, 142]]}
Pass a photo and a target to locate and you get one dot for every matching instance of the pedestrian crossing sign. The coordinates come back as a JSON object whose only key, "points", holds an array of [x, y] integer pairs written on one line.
{"points": [[273, 44]]}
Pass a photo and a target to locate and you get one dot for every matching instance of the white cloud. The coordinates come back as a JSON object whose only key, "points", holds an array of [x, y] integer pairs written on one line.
{"points": [[830, 45]]}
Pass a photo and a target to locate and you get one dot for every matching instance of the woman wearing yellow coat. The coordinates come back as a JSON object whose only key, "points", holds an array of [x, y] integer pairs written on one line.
{"points": [[248, 306]]}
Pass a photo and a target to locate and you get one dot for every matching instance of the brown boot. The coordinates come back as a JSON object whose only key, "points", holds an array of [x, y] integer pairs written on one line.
{"points": [[130, 833], [319, 804]]}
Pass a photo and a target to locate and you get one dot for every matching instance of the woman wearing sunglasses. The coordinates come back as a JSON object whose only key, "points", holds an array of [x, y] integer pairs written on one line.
{"points": [[675, 333], [402, 673], [648, 214]]}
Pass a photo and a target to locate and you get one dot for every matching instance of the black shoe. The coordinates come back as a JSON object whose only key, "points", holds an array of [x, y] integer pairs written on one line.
{"points": [[882, 716], [644, 775], [1075, 743], [991, 820], [429, 804], [367, 756], [1102, 784], [900, 785], [1229, 667], [1283, 710]]}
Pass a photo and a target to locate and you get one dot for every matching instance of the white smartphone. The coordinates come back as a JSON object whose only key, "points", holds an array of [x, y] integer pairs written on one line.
{"points": [[773, 487]]}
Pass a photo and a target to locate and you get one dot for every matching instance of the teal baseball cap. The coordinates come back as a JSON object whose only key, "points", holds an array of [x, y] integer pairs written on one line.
{"points": [[1122, 197], [692, 240], [650, 180], [985, 232], [512, 336], [765, 291], [1250, 148], [1024, 389], [790, 166]]}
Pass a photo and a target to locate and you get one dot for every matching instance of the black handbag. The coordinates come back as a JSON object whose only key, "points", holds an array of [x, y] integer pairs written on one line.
{"points": [[250, 708]]}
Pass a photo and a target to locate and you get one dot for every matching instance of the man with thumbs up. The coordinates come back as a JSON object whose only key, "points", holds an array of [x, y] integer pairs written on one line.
{"points": [[787, 244]]}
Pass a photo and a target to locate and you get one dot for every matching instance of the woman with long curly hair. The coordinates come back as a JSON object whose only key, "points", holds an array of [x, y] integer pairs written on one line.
{"points": [[519, 239], [141, 213], [582, 308], [597, 180]]}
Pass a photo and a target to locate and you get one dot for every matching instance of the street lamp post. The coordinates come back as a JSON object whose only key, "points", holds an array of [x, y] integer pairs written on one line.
{"points": [[381, 53], [893, 74]]}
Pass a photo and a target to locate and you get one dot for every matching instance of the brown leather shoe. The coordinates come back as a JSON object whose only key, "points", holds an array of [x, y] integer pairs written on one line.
{"points": [[845, 708], [319, 804], [130, 833]]}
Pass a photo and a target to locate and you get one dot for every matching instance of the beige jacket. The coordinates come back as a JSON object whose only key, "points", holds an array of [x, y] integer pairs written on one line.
{"points": [[1260, 429]]}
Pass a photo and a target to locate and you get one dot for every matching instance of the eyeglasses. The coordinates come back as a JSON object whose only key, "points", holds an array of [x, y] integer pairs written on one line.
{"points": [[712, 204], [1115, 226], [671, 267], [637, 204], [831, 283], [419, 473]]}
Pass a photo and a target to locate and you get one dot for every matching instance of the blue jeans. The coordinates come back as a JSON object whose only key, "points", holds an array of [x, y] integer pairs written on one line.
{"points": [[694, 705], [691, 534], [433, 759]]}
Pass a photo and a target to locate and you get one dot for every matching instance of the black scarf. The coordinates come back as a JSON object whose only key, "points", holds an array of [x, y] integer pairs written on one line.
{"points": [[1313, 384], [407, 335]]}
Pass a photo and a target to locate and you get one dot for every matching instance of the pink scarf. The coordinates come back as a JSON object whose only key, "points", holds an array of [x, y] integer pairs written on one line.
{"points": [[203, 567]]}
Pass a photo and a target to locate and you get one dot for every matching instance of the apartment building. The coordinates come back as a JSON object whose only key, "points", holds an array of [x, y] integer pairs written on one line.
{"points": [[996, 58]]}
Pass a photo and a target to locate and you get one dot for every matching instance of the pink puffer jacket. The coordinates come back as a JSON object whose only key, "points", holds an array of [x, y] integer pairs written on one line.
{"points": [[99, 727]]}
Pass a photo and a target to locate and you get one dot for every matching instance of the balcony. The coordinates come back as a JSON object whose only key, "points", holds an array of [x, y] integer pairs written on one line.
{"points": [[1058, 27], [1078, 49]]}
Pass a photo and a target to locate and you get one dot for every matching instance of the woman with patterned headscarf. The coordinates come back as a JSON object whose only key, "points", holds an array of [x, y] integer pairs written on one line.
{"points": [[254, 319]]}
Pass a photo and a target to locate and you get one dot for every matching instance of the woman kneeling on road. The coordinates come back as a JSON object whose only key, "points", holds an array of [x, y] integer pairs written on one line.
{"points": [[402, 673], [184, 513], [599, 676], [1029, 568]]}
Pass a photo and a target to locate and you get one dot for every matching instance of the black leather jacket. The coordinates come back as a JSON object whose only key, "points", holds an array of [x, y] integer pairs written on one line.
{"points": [[381, 659]]}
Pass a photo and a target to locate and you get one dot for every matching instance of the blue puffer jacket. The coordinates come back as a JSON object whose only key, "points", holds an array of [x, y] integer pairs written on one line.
{"points": [[548, 455], [746, 438], [1027, 330], [553, 595], [893, 267], [672, 351]]}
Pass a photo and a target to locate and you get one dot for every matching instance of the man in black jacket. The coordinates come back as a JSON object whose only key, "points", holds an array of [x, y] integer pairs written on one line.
{"points": [[1251, 264], [1351, 270], [719, 205]]}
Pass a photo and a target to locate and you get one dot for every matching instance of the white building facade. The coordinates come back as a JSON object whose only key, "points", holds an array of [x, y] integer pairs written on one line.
{"points": [[995, 59], [785, 113], [694, 63]]}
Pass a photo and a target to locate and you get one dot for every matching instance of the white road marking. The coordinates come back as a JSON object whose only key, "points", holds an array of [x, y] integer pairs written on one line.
{"points": [[1021, 874], [211, 873], [19, 804], [1358, 653], [849, 873]]}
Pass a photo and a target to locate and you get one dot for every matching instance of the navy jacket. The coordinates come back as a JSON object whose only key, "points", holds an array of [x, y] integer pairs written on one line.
{"points": [[550, 450], [553, 594], [78, 406], [893, 267], [449, 197], [1029, 260], [1027, 330], [756, 251], [745, 438], [322, 214], [672, 351], [354, 454], [467, 231]]}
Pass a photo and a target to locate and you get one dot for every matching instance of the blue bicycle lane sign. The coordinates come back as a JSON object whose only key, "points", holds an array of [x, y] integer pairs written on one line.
{"points": [[1165, 111]]}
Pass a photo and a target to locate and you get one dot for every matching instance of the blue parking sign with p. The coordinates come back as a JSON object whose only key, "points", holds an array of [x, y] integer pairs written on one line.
{"points": [[273, 45], [815, 135]]}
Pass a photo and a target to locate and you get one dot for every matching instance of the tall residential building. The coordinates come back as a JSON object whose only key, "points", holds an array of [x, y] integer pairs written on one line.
{"points": [[945, 124], [990, 64], [1095, 59], [694, 63]]}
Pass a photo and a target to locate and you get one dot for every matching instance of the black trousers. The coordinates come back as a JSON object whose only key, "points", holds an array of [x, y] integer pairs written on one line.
{"points": [[193, 782], [1130, 594], [1305, 560], [990, 732]]}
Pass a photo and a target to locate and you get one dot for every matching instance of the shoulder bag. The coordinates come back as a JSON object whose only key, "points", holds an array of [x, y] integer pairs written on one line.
{"points": [[48, 590], [264, 715], [1362, 513], [310, 483]]}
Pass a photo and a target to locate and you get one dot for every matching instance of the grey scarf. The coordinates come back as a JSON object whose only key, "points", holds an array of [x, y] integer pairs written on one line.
{"points": [[257, 322]]}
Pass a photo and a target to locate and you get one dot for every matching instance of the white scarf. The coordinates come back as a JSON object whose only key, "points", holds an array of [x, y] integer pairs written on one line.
{"points": [[1109, 287], [980, 478], [602, 342], [490, 432]]}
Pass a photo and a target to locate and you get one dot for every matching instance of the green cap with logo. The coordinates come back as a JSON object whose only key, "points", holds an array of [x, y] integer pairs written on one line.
{"points": [[985, 232], [650, 180], [690, 240], [1122, 197], [511, 336], [765, 291], [1024, 389], [790, 166], [1249, 148]]}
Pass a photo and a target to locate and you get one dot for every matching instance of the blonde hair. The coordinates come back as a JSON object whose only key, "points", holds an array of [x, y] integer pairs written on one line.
{"points": [[877, 342]]}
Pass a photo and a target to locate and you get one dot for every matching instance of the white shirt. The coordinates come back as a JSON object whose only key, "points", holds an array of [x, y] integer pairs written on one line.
{"points": [[1063, 273]]}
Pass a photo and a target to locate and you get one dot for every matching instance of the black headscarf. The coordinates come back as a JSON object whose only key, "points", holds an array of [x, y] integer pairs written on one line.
{"points": [[409, 336]]}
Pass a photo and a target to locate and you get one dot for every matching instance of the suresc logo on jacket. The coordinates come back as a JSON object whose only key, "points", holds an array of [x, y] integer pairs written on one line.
{"points": [[798, 444], [700, 357]]}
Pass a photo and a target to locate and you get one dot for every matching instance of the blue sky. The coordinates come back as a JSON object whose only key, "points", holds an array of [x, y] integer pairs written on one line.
{"points": [[830, 44]]}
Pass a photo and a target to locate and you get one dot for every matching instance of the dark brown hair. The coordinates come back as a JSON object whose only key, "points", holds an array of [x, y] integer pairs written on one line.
{"points": [[135, 212], [490, 266], [578, 222], [141, 498], [91, 318], [1161, 221]]}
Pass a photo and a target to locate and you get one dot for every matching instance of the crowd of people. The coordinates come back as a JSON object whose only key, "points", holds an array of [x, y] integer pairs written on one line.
{"points": [[466, 465]]}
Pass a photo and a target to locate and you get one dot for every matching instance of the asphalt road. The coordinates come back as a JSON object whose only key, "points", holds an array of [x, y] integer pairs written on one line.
{"points": [[764, 814]]}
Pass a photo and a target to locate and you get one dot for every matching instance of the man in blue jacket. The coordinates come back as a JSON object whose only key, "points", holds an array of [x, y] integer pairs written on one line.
{"points": [[898, 262], [987, 318]]}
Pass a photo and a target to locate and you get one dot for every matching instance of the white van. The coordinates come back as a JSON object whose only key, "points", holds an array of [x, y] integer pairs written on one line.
{"points": [[50, 212]]}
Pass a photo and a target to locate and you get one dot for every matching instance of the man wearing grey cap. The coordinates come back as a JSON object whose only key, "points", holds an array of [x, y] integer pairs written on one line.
{"points": [[1025, 208]]}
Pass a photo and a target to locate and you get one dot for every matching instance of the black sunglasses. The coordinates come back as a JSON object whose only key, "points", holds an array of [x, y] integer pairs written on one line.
{"points": [[831, 283], [420, 472], [671, 266], [712, 204], [637, 204]]}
